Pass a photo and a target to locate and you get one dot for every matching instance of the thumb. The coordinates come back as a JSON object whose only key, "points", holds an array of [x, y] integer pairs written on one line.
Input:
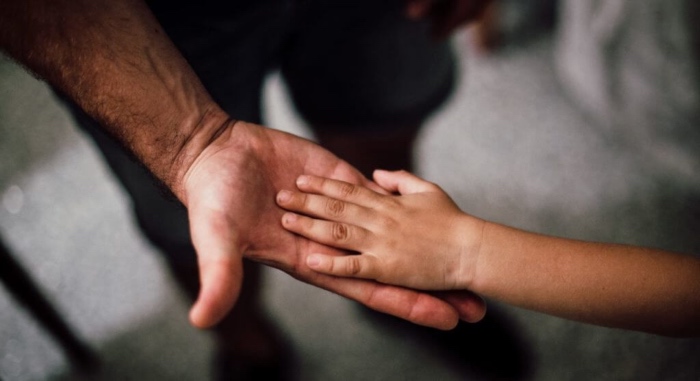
{"points": [[220, 268], [402, 182]]}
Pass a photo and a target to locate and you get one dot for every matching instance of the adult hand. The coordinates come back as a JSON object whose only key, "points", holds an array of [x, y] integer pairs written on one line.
{"points": [[230, 194], [136, 84], [445, 15]]}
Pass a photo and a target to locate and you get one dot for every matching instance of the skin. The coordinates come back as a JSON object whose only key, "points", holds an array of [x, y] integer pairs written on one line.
{"points": [[114, 60], [445, 15], [419, 238]]}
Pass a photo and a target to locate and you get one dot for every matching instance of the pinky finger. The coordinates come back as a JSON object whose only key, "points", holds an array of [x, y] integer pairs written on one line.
{"points": [[354, 266]]}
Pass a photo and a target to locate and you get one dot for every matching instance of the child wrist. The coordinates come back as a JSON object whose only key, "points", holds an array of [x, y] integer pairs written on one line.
{"points": [[471, 238]]}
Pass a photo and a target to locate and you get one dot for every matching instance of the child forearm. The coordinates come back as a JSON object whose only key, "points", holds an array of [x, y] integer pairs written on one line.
{"points": [[606, 284], [420, 239]]}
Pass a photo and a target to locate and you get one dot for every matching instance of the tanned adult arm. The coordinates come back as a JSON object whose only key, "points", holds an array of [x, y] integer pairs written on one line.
{"points": [[115, 61]]}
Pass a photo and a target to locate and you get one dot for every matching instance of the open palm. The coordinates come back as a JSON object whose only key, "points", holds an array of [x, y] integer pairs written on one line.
{"points": [[230, 195]]}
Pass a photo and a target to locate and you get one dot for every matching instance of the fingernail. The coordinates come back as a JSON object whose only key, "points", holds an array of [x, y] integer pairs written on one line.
{"points": [[302, 180], [289, 218], [284, 196], [314, 260]]}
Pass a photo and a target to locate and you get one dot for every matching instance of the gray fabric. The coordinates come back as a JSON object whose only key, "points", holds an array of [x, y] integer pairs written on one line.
{"points": [[632, 64]]}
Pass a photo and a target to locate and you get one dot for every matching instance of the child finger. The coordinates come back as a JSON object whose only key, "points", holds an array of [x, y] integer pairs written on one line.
{"points": [[335, 234], [356, 266], [403, 182], [337, 189], [323, 207]]}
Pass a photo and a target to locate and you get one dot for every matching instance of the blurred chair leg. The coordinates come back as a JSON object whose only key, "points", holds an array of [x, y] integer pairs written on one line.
{"points": [[24, 290]]}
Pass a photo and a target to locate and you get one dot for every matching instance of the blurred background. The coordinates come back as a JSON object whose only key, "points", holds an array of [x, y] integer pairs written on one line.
{"points": [[578, 120]]}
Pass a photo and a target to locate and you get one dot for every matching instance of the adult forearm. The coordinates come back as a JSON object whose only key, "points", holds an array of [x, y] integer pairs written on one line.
{"points": [[605, 284], [116, 62]]}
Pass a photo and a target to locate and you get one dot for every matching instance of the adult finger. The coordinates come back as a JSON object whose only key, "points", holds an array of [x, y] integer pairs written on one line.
{"points": [[470, 306], [220, 263], [417, 307], [403, 182]]}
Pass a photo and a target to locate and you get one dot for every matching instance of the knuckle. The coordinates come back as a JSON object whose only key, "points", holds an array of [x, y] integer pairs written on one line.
{"points": [[352, 265], [340, 232], [335, 207], [347, 189]]}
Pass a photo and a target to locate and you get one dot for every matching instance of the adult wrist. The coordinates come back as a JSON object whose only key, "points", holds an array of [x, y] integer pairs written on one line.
{"points": [[206, 129]]}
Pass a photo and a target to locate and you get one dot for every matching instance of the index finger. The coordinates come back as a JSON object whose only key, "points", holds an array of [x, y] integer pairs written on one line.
{"points": [[339, 190]]}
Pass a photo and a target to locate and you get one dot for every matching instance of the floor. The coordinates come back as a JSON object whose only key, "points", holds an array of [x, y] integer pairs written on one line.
{"points": [[509, 147]]}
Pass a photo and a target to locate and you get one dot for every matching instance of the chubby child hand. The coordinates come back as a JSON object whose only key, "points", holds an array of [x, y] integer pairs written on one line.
{"points": [[417, 238]]}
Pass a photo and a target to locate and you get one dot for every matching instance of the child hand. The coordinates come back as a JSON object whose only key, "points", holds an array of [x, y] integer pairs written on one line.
{"points": [[418, 239]]}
